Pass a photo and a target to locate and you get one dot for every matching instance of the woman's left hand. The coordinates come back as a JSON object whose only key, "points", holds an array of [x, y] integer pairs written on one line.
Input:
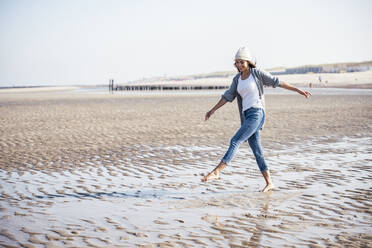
{"points": [[288, 86], [305, 93]]}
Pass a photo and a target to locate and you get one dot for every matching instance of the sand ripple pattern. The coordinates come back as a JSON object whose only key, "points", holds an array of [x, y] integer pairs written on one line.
{"points": [[322, 200], [112, 171]]}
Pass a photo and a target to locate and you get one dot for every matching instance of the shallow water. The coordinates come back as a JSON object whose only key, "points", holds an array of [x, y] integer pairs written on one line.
{"points": [[322, 198]]}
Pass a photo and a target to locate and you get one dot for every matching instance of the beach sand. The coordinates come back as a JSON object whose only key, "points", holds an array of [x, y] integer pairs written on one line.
{"points": [[102, 170]]}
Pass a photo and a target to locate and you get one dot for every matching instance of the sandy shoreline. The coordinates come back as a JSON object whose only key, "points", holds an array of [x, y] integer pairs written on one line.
{"points": [[350, 80], [81, 170], [37, 89]]}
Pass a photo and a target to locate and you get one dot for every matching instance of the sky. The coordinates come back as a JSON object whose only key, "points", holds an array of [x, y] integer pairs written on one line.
{"points": [[67, 42]]}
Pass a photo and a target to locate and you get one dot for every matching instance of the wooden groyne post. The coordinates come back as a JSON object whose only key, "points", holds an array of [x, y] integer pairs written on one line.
{"points": [[111, 86]]}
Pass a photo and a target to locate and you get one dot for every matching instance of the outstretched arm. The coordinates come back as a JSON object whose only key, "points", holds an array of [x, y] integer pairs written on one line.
{"points": [[293, 88], [220, 103]]}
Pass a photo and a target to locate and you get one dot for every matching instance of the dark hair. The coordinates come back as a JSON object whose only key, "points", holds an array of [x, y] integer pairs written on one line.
{"points": [[250, 64]]}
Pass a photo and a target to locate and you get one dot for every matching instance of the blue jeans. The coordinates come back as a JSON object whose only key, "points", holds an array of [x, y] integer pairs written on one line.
{"points": [[250, 130]]}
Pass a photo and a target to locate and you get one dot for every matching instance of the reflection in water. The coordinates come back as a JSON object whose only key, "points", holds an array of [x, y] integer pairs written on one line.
{"points": [[257, 233], [229, 231]]}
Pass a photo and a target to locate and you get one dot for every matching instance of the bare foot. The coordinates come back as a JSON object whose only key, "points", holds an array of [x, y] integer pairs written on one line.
{"points": [[211, 176], [268, 187]]}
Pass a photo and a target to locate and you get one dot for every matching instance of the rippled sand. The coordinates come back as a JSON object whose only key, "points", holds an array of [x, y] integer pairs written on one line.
{"points": [[80, 170]]}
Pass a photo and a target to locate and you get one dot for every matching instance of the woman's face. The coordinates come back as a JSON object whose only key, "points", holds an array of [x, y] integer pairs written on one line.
{"points": [[242, 65]]}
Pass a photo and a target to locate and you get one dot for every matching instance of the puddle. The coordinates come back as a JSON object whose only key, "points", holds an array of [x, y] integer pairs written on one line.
{"points": [[323, 190]]}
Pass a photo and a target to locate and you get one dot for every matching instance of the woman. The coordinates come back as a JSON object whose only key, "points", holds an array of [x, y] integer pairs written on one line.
{"points": [[247, 87]]}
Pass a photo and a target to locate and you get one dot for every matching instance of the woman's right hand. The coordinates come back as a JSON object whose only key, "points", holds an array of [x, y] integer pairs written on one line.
{"points": [[220, 103], [209, 114]]}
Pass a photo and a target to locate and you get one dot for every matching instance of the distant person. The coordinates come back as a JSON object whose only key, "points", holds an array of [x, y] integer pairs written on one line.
{"points": [[320, 79], [247, 87]]}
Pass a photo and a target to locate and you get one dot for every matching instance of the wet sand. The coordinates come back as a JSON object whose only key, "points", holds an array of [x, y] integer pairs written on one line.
{"points": [[101, 170]]}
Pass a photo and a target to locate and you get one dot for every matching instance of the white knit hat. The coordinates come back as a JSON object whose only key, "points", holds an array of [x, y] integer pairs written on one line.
{"points": [[244, 54]]}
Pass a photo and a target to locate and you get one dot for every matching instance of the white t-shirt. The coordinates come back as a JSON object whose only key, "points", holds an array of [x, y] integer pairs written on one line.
{"points": [[248, 90]]}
